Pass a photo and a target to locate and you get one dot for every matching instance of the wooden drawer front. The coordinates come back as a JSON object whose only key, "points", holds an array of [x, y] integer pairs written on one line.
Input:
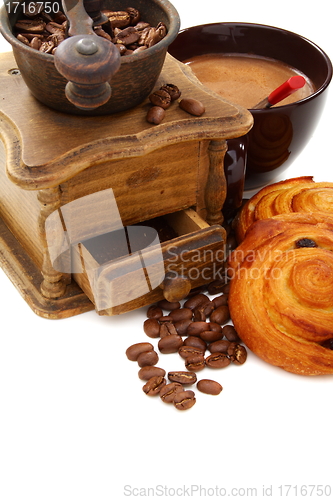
{"points": [[132, 281], [160, 182]]}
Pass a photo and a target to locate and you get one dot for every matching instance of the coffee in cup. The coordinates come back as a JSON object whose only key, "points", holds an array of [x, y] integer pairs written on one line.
{"points": [[281, 132], [246, 79]]}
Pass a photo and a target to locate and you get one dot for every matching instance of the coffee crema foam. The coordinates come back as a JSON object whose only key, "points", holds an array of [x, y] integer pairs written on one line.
{"points": [[245, 79]]}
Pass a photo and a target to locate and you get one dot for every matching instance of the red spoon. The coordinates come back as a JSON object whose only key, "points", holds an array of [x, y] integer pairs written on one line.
{"points": [[286, 89]]}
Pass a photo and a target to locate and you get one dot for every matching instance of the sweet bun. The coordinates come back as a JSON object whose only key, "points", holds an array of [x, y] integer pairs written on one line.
{"points": [[300, 194], [281, 291]]}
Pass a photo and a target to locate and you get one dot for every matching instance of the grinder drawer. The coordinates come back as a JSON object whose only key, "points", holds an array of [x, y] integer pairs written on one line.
{"points": [[137, 265]]}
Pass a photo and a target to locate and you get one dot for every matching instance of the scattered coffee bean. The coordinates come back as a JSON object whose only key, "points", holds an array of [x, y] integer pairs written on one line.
{"points": [[221, 300], [184, 400], [209, 387], [155, 115], [192, 106], [147, 358], [187, 350], [182, 377], [220, 315], [219, 346], [135, 350], [196, 291], [218, 360], [230, 333], [168, 306], [169, 391], [196, 301], [199, 313], [226, 288], [170, 344], [173, 90], [153, 386], [151, 327], [154, 312], [167, 328], [147, 372], [197, 342], [160, 98], [215, 286], [195, 328], [208, 308], [215, 327], [237, 353], [181, 314], [211, 335], [195, 363], [165, 319], [182, 326]]}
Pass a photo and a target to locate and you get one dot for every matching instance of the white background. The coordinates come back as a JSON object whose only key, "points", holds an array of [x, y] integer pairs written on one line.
{"points": [[74, 422]]}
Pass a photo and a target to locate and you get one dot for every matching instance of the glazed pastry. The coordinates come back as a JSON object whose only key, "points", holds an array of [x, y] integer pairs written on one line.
{"points": [[281, 293], [299, 194]]}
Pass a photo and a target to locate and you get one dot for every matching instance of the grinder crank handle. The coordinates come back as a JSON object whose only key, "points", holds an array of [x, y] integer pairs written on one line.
{"points": [[86, 60], [80, 23], [93, 8]]}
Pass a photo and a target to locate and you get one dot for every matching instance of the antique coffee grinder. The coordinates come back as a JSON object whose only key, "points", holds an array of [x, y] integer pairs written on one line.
{"points": [[99, 208]]}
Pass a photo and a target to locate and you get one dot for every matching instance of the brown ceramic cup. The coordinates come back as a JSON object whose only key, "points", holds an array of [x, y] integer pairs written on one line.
{"points": [[280, 133]]}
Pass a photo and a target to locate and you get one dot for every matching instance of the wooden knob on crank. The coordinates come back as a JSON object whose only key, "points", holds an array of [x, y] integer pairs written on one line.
{"points": [[175, 288], [88, 62]]}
